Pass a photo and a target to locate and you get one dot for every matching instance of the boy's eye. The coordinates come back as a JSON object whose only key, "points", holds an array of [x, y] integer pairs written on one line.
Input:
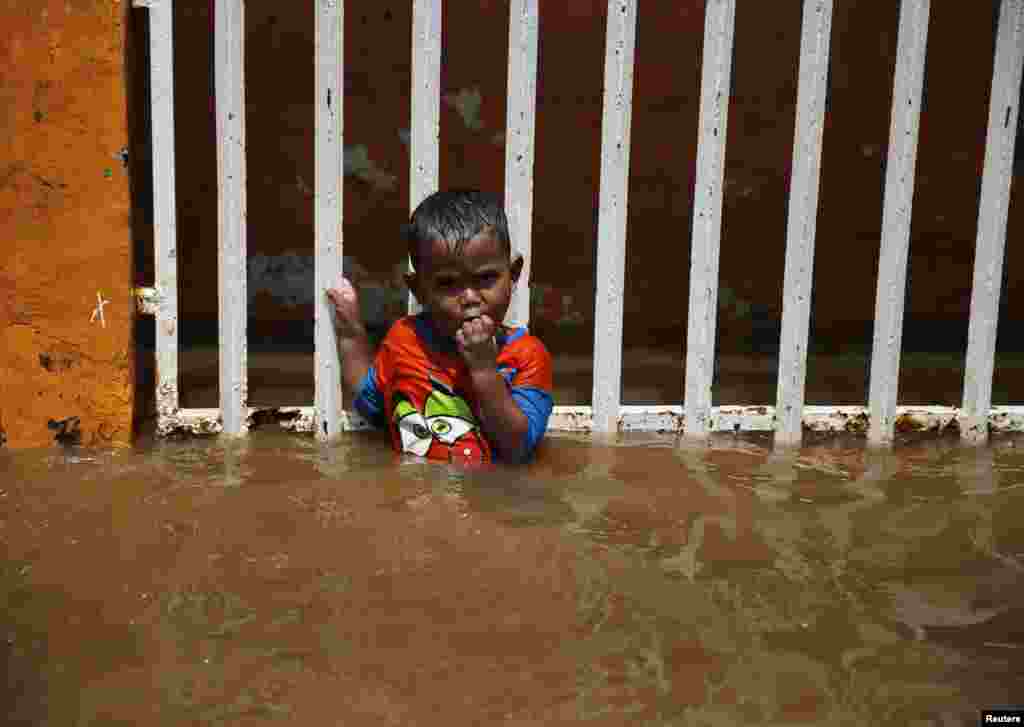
{"points": [[445, 282], [487, 278]]}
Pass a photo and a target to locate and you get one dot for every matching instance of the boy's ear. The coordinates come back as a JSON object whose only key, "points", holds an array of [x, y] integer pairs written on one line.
{"points": [[516, 268]]}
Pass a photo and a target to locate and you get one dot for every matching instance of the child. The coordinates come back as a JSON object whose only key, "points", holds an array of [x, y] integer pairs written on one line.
{"points": [[452, 382]]}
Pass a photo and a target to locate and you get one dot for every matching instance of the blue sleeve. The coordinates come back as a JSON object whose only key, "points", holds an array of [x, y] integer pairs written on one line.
{"points": [[369, 400], [536, 404]]}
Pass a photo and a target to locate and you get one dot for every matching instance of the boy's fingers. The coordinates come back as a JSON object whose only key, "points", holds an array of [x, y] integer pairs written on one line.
{"points": [[345, 288], [470, 332], [341, 294]]}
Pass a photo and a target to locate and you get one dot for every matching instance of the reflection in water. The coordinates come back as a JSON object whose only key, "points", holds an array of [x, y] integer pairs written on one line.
{"points": [[641, 581]]}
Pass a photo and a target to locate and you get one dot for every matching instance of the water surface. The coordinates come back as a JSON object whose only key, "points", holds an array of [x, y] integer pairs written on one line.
{"points": [[635, 581]]}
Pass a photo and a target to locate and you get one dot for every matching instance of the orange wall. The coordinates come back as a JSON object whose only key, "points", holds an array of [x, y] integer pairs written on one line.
{"points": [[64, 221]]}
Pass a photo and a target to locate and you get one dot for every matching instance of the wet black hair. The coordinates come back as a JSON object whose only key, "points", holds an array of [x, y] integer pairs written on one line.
{"points": [[456, 216]]}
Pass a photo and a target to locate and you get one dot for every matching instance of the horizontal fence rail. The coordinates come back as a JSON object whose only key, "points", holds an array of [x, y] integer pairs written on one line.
{"points": [[848, 419], [880, 419]]}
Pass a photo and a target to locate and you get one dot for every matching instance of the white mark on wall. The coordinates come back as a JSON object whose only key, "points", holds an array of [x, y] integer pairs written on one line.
{"points": [[97, 312]]}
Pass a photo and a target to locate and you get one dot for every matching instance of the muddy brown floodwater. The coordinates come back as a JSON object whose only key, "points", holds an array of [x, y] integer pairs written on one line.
{"points": [[635, 581]]}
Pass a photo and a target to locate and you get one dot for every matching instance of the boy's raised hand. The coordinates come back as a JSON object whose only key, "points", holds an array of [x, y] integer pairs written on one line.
{"points": [[347, 319], [475, 340]]}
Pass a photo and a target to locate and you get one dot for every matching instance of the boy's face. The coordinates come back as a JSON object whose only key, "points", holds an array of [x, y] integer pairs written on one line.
{"points": [[458, 287]]}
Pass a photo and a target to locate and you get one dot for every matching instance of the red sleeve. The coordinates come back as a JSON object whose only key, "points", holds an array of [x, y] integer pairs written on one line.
{"points": [[533, 364]]}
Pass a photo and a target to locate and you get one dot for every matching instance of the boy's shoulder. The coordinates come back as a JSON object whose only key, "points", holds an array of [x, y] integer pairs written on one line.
{"points": [[525, 361], [401, 331], [521, 342]]}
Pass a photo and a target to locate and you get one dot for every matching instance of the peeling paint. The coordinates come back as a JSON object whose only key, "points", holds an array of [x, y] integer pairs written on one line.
{"points": [[819, 419], [68, 431], [632, 418], [189, 422], [59, 359], [299, 419], [167, 413], [206, 422], [147, 300]]}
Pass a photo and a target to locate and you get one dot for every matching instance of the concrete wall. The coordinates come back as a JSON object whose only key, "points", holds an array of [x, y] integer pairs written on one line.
{"points": [[64, 222]]}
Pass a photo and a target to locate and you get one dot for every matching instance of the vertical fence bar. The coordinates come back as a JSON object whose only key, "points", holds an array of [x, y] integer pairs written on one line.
{"points": [[425, 111], [993, 209], [896, 214], [716, 72], [519, 144], [328, 210], [165, 225], [620, 45], [802, 223], [229, 56]]}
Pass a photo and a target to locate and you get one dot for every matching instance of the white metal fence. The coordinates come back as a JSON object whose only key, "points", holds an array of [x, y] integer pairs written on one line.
{"points": [[696, 416]]}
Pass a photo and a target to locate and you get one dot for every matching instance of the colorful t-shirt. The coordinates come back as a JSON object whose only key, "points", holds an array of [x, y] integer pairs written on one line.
{"points": [[419, 388]]}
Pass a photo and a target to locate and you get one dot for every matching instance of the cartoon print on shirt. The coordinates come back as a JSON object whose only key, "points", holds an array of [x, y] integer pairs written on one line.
{"points": [[444, 428]]}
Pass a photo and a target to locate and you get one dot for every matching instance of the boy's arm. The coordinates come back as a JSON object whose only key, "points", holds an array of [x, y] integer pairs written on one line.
{"points": [[353, 343], [514, 415], [503, 421], [356, 357]]}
